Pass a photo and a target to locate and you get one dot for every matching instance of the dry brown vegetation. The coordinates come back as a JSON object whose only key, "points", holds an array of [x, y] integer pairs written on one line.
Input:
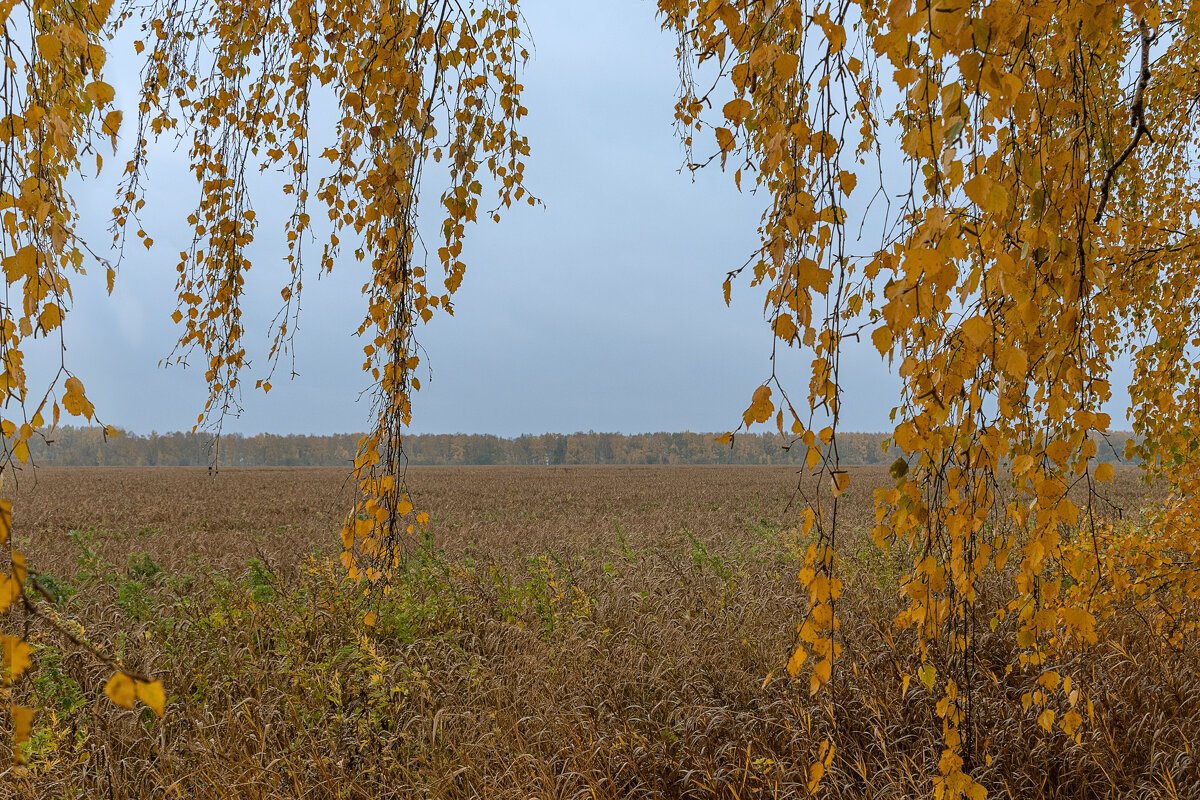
{"points": [[571, 632]]}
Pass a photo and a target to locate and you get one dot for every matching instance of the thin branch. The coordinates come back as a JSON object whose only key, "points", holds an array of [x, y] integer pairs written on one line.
{"points": [[1137, 119]]}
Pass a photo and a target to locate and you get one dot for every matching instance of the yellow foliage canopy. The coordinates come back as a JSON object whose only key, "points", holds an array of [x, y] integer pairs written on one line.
{"points": [[1049, 229]]}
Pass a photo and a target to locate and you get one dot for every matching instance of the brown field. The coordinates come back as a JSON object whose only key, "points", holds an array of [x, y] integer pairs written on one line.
{"points": [[574, 632]]}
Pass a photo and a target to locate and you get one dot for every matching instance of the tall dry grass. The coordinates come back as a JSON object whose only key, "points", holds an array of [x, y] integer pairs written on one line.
{"points": [[568, 634]]}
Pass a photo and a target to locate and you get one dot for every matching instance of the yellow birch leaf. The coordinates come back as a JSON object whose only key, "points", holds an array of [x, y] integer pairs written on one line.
{"points": [[796, 661], [5, 519], [100, 92], [48, 45], [848, 180], [815, 773], [737, 110], [977, 330], [822, 672], [882, 339], [18, 567], [22, 722], [928, 674], [112, 123], [369, 619], [761, 406], [1022, 464], [50, 317], [836, 35], [987, 193], [16, 658], [785, 327], [151, 693], [786, 65], [120, 690], [1104, 472]]}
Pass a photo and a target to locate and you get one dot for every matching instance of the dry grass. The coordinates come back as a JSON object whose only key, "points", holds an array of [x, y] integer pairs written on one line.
{"points": [[579, 632]]}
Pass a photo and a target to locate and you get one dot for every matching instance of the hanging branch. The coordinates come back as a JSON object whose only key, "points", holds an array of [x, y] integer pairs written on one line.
{"points": [[1137, 119]]}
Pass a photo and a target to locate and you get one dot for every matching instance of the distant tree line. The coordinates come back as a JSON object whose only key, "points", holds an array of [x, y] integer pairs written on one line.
{"points": [[87, 447]]}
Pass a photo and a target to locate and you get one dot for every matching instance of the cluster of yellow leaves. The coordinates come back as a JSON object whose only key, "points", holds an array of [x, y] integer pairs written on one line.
{"points": [[124, 691], [55, 102], [56, 106], [1043, 237], [17, 653], [411, 80]]}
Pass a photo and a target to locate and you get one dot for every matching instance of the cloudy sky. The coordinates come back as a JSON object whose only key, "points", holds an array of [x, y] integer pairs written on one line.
{"points": [[601, 311]]}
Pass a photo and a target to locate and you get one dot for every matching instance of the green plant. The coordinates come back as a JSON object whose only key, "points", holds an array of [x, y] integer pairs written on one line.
{"points": [[260, 581]]}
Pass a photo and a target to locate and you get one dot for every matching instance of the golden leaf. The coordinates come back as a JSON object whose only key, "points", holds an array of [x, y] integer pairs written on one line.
{"points": [[797, 661], [785, 327], [927, 674], [22, 719], [18, 567], [822, 672], [737, 110], [121, 690], [149, 692], [10, 591], [761, 407], [16, 658], [882, 339], [786, 65], [100, 92], [112, 123], [977, 330]]}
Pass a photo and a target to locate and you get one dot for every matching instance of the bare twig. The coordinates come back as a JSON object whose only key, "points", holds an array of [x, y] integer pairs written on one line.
{"points": [[1137, 119]]}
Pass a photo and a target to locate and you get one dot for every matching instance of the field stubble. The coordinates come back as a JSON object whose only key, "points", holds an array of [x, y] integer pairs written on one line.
{"points": [[568, 632]]}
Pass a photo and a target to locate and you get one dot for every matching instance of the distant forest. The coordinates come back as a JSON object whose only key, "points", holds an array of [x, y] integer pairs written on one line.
{"points": [[86, 447]]}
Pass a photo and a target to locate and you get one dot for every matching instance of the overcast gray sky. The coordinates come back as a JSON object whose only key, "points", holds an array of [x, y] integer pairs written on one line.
{"points": [[601, 311]]}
